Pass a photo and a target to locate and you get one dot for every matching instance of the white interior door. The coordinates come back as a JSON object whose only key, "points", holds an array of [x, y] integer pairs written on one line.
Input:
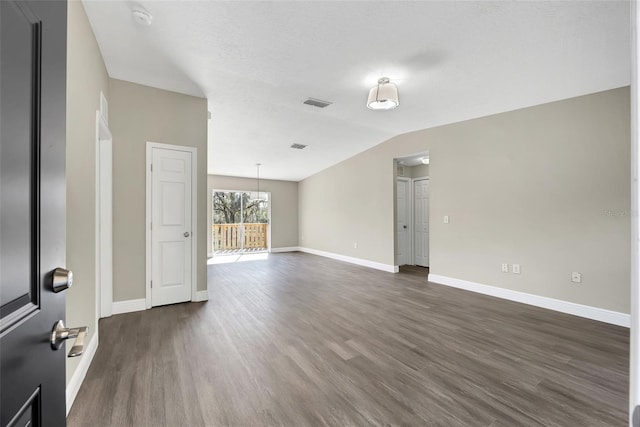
{"points": [[421, 226], [403, 218], [171, 228]]}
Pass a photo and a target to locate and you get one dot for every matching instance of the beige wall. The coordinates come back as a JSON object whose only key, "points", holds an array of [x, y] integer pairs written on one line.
{"points": [[546, 187], [284, 206], [351, 202], [139, 114], [86, 77]]}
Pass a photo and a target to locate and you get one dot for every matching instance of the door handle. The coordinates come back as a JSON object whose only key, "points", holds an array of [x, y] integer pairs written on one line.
{"points": [[62, 279], [404, 226], [187, 234], [59, 333]]}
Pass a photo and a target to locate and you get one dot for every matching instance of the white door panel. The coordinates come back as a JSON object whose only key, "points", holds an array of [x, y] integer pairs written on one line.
{"points": [[403, 218], [421, 226], [171, 228]]}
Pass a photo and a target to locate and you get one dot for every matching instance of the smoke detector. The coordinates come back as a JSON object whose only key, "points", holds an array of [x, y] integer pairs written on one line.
{"points": [[142, 17]]}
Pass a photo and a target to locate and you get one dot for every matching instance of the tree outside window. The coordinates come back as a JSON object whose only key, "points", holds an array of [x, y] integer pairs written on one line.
{"points": [[235, 207]]}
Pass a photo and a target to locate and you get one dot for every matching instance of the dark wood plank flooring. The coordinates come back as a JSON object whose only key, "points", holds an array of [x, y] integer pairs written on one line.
{"points": [[300, 340]]}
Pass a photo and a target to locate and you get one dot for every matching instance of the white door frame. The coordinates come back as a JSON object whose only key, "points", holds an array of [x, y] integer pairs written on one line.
{"points": [[104, 182], [410, 224], [413, 214], [634, 356], [194, 216], [269, 223]]}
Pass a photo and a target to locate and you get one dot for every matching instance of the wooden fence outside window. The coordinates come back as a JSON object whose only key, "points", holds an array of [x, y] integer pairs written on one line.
{"points": [[229, 236]]}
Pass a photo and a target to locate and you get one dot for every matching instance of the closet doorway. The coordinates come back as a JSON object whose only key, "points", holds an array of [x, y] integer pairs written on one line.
{"points": [[411, 205]]}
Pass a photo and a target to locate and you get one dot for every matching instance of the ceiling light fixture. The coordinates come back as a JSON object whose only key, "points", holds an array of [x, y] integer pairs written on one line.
{"points": [[425, 160], [142, 17], [384, 96]]}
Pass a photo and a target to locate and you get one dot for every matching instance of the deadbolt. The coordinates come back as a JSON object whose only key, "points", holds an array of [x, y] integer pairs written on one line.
{"points": [[62, 279], [187, 234]]}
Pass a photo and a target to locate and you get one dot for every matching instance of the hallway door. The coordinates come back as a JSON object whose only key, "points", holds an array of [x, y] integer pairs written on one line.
{"points": [[171, 226], [403, 221], [421, 226]]}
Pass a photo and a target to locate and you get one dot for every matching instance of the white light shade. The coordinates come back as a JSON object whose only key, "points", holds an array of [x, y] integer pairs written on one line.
{"points": [[384, 96]]}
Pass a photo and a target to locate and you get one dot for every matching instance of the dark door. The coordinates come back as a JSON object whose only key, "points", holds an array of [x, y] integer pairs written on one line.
{"points": [[33, 41]]}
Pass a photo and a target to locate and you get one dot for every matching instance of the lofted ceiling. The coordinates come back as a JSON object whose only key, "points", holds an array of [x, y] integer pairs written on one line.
{"points": [[256, 62]]}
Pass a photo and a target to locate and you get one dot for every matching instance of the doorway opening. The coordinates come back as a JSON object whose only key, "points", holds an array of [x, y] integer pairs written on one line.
{"points": [[411, 202], [104, 217], [241, 223]]}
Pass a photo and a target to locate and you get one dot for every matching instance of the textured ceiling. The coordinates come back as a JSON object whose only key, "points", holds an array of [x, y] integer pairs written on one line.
{"points": [[256, 62]]}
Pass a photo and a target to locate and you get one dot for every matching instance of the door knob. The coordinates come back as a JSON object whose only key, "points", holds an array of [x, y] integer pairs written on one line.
{"points": [[187, 234], [62, 279], [59, 333], [404, 226]]}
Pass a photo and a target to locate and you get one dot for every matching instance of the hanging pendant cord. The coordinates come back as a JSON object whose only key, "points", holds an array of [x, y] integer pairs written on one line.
{"points": [[258, 176]]}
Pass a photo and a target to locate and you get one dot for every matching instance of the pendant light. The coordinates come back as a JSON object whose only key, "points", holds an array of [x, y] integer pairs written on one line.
{"points": [[258, 178], [384, 96]]}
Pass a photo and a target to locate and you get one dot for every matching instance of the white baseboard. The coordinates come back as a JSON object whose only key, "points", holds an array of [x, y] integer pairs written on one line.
{"points": [[359, 261], [285, 249], [594, 313], [201, 296], [81, 371], [129, 306]]}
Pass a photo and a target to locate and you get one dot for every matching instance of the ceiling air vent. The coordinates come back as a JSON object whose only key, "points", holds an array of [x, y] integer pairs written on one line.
{"points": [[298, 146], [317, 103]]}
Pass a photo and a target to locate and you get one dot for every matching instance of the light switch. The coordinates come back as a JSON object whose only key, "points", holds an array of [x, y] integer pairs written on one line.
{"points": [[446, 219], [505, 268], [515, 268]]}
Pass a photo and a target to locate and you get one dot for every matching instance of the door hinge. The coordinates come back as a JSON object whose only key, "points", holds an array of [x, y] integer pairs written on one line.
{"points": [[151, 167], [151, 226], [152, 283]]}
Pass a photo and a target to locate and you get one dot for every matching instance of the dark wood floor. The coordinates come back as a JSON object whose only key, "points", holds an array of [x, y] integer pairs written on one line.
{"points": [[300, 340]]}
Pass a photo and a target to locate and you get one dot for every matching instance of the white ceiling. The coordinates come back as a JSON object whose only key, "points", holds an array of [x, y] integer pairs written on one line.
{"points": [[257, 61]]}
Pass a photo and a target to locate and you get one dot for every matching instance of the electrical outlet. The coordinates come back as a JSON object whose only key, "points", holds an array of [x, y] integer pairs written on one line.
{"points": [[446, 219], [576, 277], [515, 268], [505, 268]]}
